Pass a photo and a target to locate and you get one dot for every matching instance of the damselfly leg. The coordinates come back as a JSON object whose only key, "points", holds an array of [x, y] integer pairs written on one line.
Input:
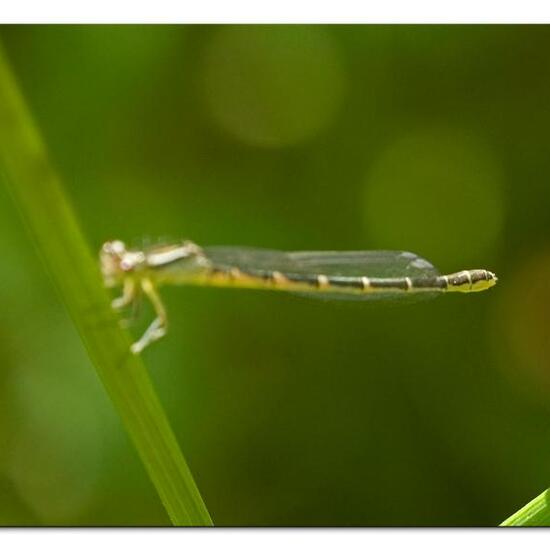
{"points": [[157, 329]]}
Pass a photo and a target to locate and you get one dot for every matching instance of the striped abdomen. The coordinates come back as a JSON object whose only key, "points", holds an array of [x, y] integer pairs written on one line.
{"points": [[463, 281]]}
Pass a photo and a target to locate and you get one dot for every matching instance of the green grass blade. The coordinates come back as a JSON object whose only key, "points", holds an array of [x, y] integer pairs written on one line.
{"points": [[534, 513], [38, 193]]}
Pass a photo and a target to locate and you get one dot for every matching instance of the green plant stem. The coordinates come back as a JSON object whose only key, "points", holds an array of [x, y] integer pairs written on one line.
{"points": [[37, 191], [534, 513]]}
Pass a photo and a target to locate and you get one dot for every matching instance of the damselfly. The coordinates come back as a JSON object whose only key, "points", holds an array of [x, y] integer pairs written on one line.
{"points": [[361, 275]]}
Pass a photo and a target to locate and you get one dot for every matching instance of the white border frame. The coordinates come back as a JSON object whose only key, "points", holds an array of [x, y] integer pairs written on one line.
{"points": [[273, 11]]}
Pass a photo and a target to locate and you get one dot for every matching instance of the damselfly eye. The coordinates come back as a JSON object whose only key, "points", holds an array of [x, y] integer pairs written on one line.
{"points": [[126, 265], [114, 248]]}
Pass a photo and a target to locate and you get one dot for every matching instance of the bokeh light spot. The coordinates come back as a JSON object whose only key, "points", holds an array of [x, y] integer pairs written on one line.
{"points": [[273, 86], [437, 193]]}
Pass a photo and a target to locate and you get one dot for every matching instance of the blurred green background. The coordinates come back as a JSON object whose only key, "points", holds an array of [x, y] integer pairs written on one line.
{"points": [[432, 139]]}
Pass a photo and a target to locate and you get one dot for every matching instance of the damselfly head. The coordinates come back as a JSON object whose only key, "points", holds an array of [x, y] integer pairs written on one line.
{"points": [[116, 262]]}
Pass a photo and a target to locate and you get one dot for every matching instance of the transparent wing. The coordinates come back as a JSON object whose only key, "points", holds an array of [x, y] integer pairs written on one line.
{"points": [[366, 263], [248, 259], [370, 263]]}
